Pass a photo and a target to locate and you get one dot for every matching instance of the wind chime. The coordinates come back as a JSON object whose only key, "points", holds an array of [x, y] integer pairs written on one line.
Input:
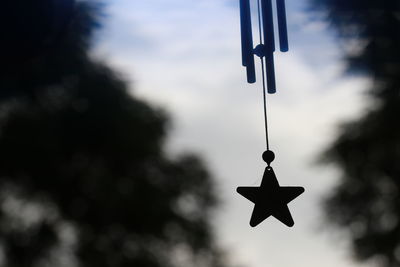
{"points": [[270, 199]]}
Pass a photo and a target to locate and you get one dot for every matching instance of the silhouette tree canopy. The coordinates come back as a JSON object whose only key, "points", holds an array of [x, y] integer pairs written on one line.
{"points": [[367, 202], [84, 178]]}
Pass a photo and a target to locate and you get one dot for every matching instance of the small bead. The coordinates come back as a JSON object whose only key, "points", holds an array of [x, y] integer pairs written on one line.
{"points": [[260, 50], [268, 156]]}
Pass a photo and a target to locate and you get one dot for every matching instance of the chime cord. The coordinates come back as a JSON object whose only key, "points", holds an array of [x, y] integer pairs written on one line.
{"points": [[263, 76]]}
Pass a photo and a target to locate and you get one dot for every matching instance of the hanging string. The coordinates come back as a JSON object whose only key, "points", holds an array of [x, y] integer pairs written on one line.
{"points": [[263, 76]]}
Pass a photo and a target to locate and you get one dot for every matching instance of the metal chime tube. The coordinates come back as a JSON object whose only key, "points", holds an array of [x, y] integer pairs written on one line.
{"points": [[247, 40], [269, 42], [282, 25]]}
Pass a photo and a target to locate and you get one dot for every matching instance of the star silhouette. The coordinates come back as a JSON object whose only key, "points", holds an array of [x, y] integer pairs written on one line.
{"points": [[270, 199]]}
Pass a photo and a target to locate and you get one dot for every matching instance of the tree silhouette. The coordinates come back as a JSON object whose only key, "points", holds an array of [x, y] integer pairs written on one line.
{"points": [[84, 178], [367, 202]]}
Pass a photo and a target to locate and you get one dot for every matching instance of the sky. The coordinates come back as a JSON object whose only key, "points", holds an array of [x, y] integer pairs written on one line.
{"points": [[184, 56]]}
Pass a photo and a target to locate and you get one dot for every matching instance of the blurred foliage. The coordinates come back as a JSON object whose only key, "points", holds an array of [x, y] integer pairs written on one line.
{"points": [[84, 179], [367, 202]]}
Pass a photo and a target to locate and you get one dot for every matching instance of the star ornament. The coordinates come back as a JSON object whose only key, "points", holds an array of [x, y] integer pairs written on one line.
{"points": [[270, 199]]}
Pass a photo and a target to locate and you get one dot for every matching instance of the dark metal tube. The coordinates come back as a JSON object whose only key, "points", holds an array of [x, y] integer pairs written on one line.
{"points": [[243, 30], [282, 25], [247, 40], [268, 26], [270, 69]]}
